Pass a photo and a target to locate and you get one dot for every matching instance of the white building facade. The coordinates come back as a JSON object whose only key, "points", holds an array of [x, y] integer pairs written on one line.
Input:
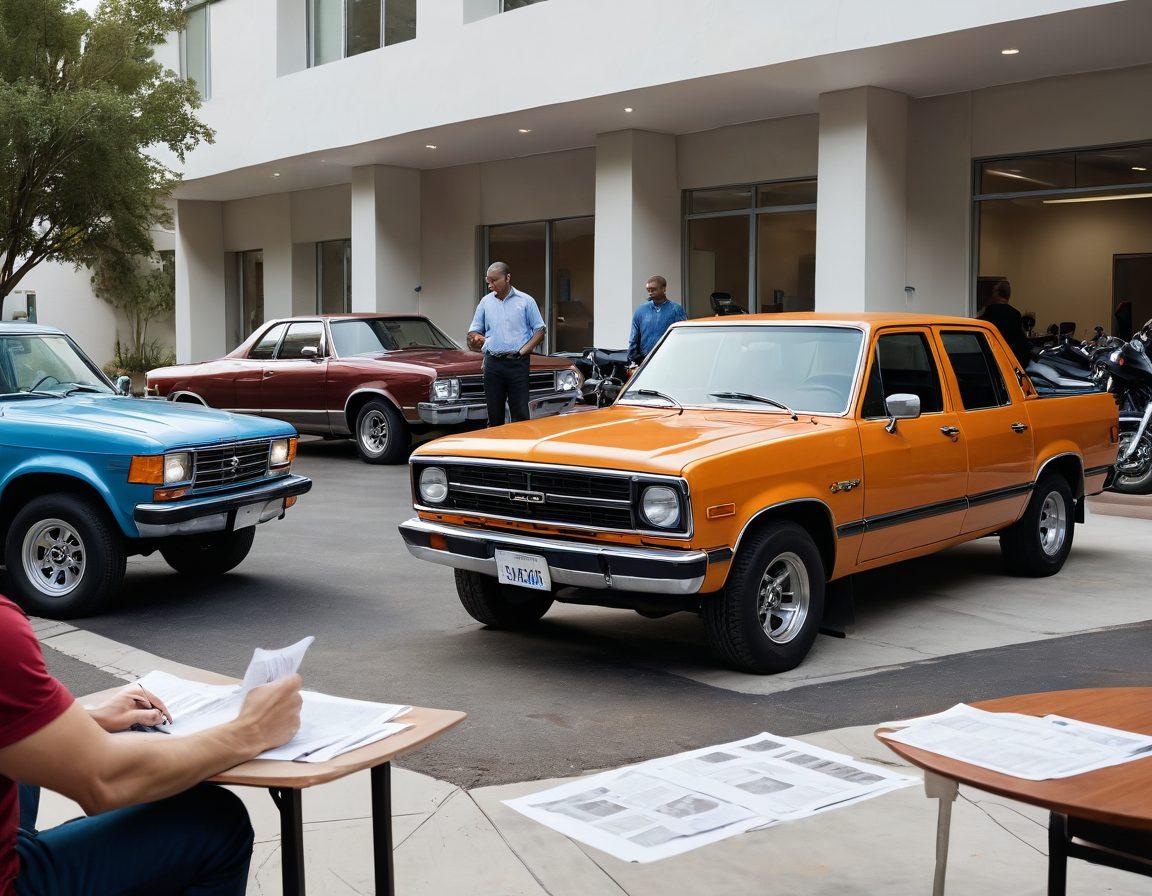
{"points": [[375, 155]]}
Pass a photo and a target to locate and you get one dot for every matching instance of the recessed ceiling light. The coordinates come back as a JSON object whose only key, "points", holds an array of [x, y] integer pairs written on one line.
{"points": [[1009, 51], [1098, 198], [275, 173], [627, 108], [525, 130], [1139, 168], [429, 145]]}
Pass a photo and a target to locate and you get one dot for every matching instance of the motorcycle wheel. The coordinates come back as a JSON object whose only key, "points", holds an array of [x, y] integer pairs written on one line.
{"points": [[1135, 476]]}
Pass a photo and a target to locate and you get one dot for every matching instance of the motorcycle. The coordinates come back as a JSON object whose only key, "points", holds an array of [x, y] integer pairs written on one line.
{"points": [[1126, 372], [605, 372]]}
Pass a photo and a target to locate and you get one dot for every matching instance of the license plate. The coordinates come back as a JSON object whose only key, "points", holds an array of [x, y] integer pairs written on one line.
{"points": [[523, 570], [248, 516]]}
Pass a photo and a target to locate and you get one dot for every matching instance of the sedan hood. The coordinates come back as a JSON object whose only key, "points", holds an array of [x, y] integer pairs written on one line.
{"points": [[629, 438]]}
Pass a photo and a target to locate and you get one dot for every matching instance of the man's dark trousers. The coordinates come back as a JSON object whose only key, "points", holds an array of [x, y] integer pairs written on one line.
{"points": [[197, 843], [506, 380]]}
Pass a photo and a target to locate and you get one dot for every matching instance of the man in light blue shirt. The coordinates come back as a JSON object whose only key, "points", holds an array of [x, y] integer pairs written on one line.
{"points": [[507, 327], [652, 318]]}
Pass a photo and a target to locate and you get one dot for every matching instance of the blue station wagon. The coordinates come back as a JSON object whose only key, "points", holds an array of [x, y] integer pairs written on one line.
{"points": [[90, 476]]}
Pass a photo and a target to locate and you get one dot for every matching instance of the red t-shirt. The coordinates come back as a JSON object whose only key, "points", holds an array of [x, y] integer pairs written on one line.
{"points": [[30, 698]]}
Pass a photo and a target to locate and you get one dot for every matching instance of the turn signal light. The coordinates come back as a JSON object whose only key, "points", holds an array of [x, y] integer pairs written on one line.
{"points": [[147, 469], [289, 501], [437, 542], [169, 494], [718, 511], [292, 449], [1114, 434]]}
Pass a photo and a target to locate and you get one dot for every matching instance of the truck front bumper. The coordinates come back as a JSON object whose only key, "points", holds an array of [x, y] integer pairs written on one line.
{"points": [[219, 513], [452, 413], [581, 564]]}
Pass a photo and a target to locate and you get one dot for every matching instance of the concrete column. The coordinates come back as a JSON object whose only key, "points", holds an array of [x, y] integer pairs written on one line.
{"points": [[861, 210], [637, 226], [200, 281], [385, 238], [278, 258]]}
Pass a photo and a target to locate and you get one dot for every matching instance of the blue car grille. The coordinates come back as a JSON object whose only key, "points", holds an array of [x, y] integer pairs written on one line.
{"points": [[230, 464]]}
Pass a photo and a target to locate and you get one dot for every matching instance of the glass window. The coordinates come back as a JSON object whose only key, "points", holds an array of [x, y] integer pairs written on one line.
{"points": [[1051, 172], [1106, 167], [266, 347], [363, 26], [786, 262], [726, 199], [976, 370], [251, 291], [717, 262], [573, 243], [308, 334], [789, 192], [334, 277], [810, 369], [509, 5], [195, 50], [524, 248], [45, 364], [903, 364], [399, 21], [326, 30], [373, 335]]}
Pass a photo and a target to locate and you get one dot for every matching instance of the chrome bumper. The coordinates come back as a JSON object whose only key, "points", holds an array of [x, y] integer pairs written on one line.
{"points": [[584, 565], [451, 413], [216, 513]]}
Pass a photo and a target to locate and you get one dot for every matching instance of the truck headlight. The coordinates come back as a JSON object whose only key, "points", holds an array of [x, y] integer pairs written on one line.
{"points": [[177, 467], [446, 390], [660, 506], [568, 380], [282, 452], [433, 485]]}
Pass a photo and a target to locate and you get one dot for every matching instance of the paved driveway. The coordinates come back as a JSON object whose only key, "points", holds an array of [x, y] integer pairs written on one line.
{"points": [[594, 688]]}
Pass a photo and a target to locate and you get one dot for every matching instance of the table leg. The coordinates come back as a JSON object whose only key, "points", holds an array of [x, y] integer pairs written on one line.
{"points": [[287, 800], [382, 829], [944, 790]]}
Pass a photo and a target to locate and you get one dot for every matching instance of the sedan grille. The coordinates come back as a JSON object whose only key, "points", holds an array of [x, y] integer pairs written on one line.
{"points": [[540, 382], [231, 464]]}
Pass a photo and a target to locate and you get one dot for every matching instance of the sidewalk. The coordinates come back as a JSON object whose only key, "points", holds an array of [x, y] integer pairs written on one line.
{"points": [[452, 842]]}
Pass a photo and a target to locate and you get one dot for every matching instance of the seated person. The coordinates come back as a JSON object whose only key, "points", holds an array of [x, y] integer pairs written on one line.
{"points": [[153, 827]]}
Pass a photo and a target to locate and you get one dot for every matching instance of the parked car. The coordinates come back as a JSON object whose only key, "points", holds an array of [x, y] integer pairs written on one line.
{"points": [[377, 378], [753, 460], [90, 476]]}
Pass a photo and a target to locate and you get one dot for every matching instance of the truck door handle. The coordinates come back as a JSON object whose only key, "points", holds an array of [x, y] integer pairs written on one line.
{"points": [[951, 431], [1019, 427]]}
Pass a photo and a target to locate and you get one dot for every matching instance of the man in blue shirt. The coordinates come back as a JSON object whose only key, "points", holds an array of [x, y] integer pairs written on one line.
{"points": [[507, 327], [652, 319]]}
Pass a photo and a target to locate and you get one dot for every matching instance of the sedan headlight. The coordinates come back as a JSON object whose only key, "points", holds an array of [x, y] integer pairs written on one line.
{"points": [[568, 380], [282, 452], [177, 467], [433, 485], [446, 390], [660, 506]]}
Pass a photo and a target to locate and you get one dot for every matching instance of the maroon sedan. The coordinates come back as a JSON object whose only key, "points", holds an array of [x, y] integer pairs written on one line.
{"points": [[375, 377]]}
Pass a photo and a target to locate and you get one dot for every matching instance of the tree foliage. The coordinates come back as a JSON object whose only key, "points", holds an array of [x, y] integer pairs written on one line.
{"points": [[85, 109], [143, 289]]}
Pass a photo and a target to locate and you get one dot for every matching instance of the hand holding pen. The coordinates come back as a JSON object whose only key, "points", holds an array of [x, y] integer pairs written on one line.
{"points": [[132, 706]]}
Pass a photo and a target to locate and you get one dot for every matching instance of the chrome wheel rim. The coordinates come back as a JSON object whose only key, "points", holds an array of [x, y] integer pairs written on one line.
{"points": [[1136, 465], [783, 598], [374, 432], [54, 557], [1053, 523]]}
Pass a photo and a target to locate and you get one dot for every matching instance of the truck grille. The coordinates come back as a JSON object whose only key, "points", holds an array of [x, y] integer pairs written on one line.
{"points": [[231, 464], [537, 494], [540, 382]]}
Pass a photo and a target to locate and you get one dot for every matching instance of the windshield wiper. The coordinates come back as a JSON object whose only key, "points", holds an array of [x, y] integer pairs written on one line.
{"points": [[82, 387], [652, 393], [748, 396]]}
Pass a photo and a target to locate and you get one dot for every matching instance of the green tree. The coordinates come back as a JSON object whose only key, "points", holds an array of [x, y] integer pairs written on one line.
{"points": [[83, 107], [143, 289]]}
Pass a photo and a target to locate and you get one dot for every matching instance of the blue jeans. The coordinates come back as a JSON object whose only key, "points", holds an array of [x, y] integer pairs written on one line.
{"points": [[197, 843]]}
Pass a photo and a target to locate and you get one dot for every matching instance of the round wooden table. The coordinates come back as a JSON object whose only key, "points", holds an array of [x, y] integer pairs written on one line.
{"points": [[1118, 795]]}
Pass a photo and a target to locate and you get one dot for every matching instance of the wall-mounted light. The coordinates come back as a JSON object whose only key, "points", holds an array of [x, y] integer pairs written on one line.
{"points": [[275, 173], [525, 130], [629, 109], [430, 146], [1010, 51]]}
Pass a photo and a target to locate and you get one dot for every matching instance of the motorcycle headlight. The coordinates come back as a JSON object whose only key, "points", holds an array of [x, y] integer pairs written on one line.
{"points": [[177, 467], [1137, 346], [433, 485], [660, 506], [568, 380], [446, 390]]}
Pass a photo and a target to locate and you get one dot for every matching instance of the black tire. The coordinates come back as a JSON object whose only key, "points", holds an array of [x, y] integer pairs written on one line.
{"points": [[1038, 543], [87, 545], [500, 606], [1138, 481], [382, 436], [204, 556], [733, 617]]}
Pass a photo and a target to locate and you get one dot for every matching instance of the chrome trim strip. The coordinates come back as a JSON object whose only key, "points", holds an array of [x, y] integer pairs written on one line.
{"points": [[575, 527], [553, 497], [1079, 459], [770, 507]]}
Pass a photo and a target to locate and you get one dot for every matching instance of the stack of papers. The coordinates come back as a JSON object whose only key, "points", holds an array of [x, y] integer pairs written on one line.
{"points": [[670, 805], [329, 725], [1037, 749]]}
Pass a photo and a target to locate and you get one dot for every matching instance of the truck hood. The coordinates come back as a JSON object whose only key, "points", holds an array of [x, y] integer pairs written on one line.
{"points": [[109, 420], [646, 440]]}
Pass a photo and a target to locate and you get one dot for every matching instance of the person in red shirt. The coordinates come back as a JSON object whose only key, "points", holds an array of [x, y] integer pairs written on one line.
{"points": [[152, 826]]}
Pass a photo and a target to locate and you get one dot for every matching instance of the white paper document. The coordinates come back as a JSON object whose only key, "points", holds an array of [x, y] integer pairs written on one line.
{"points": [[329, 725], [674, 804], [1036, 749]]}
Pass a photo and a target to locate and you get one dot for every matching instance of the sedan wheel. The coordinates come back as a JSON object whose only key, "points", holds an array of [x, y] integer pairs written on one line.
{"points": [[381, 433]]}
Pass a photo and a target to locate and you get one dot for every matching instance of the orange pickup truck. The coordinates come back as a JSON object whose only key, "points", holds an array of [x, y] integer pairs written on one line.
{"points": [[750, 463]]}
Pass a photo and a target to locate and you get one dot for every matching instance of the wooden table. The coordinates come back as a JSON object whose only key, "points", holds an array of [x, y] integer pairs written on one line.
{"points": [[1117, 795], [285, 780]]}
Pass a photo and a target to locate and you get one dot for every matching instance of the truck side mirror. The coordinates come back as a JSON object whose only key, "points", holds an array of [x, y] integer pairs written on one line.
{"points": [[311, 352], [901, 406], [124, 385]]}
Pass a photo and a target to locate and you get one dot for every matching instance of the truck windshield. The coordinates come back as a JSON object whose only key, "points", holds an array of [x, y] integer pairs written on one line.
{"points": [[46, 364], [809, 369], [373, 335]]}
